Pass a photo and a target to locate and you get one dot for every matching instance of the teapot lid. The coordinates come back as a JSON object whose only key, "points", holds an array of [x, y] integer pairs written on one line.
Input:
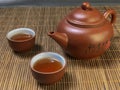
{"points": [[85, 15]]}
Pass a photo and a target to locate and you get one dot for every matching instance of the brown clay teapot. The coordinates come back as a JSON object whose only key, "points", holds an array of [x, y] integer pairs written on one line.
{"points": [[85, 32]]}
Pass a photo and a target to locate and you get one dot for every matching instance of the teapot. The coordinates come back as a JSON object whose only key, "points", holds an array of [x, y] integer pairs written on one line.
{"points": [[85, 32]]}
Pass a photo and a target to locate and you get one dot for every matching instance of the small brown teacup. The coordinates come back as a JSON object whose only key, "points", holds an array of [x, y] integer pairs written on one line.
{"points": [[21, 39], [48, 67]]}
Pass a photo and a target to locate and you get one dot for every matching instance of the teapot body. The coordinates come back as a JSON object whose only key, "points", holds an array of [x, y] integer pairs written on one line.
{"points": [[85, 32], [86, 42]]}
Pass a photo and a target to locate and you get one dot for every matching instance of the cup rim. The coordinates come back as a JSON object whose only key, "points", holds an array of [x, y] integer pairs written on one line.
{"points": [[31, 30], [63, 66]]}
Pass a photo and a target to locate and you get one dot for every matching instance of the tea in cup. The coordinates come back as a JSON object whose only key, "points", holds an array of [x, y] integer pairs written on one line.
{"points": [[48, 67], [21, 39]]}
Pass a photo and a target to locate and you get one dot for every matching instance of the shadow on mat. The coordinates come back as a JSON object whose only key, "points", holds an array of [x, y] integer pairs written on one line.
{"points": [[37, 49]]}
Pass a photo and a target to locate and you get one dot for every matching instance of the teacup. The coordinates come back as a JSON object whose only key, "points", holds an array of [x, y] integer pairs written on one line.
{"points": [[45, 75], [21, 39]]}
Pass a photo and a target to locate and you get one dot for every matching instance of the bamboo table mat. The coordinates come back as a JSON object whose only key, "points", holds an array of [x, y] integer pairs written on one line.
{"points": [[101, 73]]}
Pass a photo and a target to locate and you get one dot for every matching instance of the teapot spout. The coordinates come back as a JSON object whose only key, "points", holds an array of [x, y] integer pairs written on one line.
{"points": [[60, 38]]}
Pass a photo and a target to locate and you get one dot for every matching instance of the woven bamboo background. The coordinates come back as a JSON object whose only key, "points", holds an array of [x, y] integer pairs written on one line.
{"points": [[102, 73]]}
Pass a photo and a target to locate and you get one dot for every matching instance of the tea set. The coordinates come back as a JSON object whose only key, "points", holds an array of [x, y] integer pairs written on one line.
{"points": [[84, 33]]}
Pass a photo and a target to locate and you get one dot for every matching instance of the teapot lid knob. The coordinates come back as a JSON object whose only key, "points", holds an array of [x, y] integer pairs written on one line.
{"points": [[86, 6]]}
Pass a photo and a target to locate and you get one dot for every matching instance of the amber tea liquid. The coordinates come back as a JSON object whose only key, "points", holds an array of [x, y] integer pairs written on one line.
{"points": [[47, 65], [21, 37]]}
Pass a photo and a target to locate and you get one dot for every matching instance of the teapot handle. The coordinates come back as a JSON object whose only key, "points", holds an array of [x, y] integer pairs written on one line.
{"points": [[113, 15]]}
